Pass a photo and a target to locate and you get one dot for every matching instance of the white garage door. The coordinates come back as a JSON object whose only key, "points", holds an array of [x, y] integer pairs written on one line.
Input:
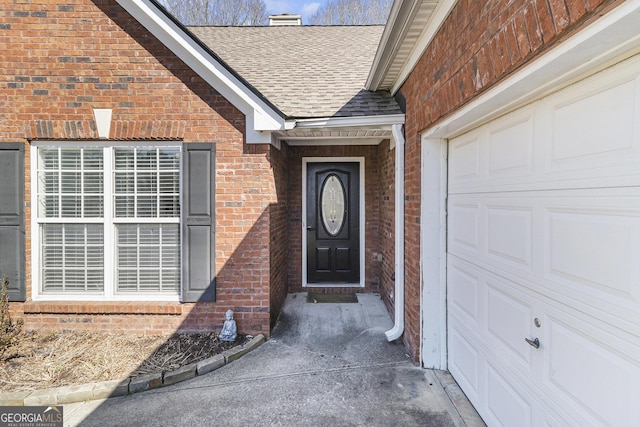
{"points": [[544, 243]]}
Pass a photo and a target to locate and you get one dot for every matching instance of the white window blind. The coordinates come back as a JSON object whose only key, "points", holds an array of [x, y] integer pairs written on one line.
{"points": [[133, 231], [147, 257], [147, 185], [71, 183], [72, 257]]}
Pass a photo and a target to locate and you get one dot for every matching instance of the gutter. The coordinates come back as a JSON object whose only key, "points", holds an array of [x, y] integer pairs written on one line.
{"points": [[398, 327]]}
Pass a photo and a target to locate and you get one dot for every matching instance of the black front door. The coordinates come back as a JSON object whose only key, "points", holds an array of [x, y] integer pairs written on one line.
{"points": [[333, 223]]}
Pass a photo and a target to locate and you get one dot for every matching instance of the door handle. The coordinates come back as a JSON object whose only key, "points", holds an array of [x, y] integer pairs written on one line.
{"points": [[535, 343], [310, 228]]}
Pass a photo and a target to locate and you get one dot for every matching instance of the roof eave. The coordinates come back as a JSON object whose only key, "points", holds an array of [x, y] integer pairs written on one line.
{"points": [[398, 21], [261, 116], [354, 130], [394, 38]]}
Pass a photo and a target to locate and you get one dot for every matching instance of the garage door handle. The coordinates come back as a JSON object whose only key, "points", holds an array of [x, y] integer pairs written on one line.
{"points": [[533, 343]]}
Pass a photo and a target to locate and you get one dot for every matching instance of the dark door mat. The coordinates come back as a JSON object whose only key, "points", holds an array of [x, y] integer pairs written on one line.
{"points": [[314, 297]]}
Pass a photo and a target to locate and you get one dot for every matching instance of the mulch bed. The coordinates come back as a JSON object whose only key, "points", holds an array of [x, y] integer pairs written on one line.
{"points": [[41, 361]]}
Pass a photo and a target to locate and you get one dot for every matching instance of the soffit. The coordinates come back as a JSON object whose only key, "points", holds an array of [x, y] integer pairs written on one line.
{"points": [[369, 135], [410, 21]]}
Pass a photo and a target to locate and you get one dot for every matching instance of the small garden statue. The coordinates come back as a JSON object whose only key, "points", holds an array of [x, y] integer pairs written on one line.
{"points": [[229, 329]]}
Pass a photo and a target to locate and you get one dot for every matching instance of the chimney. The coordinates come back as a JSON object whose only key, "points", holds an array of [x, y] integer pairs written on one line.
{"points": [[284, 19]]}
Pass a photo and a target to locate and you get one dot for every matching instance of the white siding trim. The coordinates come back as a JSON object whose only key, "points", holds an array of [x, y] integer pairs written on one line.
{"points": [[433, 260]]}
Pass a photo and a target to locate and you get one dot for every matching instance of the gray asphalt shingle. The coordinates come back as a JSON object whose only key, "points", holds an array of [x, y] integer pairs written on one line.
{"points": [[306, 71]]}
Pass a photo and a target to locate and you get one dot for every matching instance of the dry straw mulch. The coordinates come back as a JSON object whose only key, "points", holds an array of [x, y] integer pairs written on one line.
{"points": [[41, 361]]}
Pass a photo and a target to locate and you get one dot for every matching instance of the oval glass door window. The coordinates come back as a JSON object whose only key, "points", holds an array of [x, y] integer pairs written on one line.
{"points": [[332, 202]]}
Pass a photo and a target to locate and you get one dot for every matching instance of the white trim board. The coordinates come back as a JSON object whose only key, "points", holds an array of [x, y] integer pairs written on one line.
{"points": [[433, 254], [305, 161]]}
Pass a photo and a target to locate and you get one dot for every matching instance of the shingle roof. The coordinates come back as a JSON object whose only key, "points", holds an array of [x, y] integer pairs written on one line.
{"points": [[305, 71]]}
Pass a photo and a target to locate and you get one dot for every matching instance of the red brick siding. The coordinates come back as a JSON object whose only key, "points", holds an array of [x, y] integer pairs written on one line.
{"points": [[478, 45], [372, 217], [387, 222], [59, 61], [279, 231]]}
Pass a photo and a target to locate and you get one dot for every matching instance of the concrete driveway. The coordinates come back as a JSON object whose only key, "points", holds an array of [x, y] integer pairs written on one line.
{"points": [[326, 365]]}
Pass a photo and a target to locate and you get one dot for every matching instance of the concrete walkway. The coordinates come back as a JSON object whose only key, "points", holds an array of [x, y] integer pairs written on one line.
{"points": [[326, 365]]}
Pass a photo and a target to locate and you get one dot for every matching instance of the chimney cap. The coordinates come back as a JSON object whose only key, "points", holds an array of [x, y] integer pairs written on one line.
{"points": [[285, 19]]}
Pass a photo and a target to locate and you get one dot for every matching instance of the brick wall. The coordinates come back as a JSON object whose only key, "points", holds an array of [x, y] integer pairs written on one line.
{"points": [[372, 217], [279, 235], [387, 222], [478, 45], [61, 60]]}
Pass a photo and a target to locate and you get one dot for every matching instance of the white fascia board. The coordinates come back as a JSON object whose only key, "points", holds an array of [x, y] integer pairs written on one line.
{"points": [[606, 41], [259, 115], [400, 20], [356, 121], [439, 15], [400, 16]]}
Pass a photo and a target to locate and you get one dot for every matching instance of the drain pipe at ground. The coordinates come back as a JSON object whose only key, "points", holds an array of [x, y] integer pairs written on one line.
{"points": [[398, 328]]}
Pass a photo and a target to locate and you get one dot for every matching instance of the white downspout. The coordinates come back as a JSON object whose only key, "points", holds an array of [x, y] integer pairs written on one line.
{"points": [[398, 328]]}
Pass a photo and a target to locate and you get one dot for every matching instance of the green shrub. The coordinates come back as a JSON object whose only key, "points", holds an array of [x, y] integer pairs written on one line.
{"points": [[9, 330]]}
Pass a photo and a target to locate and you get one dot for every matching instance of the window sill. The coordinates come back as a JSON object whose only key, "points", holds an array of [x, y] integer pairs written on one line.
{"points": [[109, 307]]}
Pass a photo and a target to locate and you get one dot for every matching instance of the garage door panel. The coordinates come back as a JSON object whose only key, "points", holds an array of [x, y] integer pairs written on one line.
{"points": [[510, 146], [591, 250], [466, 365], [509, 234], [475, 361], [506, 404], [580, 247], [476, 356], [465, 155], [599, 122], [464, 290], [507, 311], [505, 226], [502, 313], [602, 384], [595, 247], [585, 136], [465, 214], [509, 320]]}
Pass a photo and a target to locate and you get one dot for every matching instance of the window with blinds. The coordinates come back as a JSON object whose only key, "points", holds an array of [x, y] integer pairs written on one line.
{"points": [[109, 220]]}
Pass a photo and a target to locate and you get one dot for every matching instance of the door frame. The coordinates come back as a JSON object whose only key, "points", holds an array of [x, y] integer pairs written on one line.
{"points": [[433, 252], [305, 161]]}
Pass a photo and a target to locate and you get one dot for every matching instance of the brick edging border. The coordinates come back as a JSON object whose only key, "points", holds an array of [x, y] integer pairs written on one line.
{"points": [[116, 388]]}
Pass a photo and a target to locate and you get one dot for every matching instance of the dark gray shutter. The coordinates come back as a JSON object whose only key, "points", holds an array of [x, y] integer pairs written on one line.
{"points": [[198, 222], [12, 244]]}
